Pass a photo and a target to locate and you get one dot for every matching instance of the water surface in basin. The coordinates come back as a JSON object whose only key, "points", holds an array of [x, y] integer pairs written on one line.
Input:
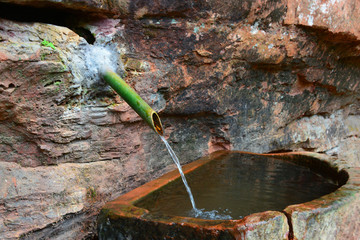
{"points": [[239, 184]]}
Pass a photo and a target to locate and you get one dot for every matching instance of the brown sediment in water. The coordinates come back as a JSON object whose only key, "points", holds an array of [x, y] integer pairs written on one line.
{"points": [[126, 218]]}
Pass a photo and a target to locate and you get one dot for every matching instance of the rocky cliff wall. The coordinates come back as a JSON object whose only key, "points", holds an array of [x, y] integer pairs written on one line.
{"points": [[261, 76]]}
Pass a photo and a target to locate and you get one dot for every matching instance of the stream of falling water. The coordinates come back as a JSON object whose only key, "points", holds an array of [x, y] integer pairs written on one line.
{"points": [[195, 212], [177, 162]]}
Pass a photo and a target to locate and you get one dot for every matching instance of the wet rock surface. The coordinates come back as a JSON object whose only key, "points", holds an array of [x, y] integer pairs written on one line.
{"points": [[236, 75], [333, 216], [266, 225]]}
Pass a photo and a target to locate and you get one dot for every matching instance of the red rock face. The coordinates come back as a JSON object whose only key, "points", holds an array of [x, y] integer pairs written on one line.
{"points": [[244, 75], [338, 17]]}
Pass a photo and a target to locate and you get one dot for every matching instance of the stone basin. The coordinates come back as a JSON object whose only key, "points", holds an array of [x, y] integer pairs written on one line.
{"points": [[332, 216]]}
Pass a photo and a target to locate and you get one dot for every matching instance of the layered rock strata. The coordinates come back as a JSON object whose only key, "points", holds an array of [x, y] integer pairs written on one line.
{"points": [[254, 76]]}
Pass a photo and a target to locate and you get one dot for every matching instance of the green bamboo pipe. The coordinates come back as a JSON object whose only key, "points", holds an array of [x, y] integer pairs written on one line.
{"points": [[134, 100]]}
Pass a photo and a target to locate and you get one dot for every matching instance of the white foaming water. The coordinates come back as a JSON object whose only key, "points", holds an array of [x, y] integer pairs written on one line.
{"points": [[212, 215], [195, 212], [87, 61], [98, 58]]}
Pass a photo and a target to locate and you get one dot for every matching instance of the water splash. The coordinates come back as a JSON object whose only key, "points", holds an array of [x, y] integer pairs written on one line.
{"points": [[98, 58], [177, 163], [212, 215]]}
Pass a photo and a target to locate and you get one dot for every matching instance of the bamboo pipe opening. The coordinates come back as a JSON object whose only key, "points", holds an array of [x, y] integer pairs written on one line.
{"points": [[133, 99], [157, 123]]}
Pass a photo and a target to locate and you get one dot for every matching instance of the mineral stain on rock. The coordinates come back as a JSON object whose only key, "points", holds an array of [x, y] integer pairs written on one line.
{"points": [[261, 77]]}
